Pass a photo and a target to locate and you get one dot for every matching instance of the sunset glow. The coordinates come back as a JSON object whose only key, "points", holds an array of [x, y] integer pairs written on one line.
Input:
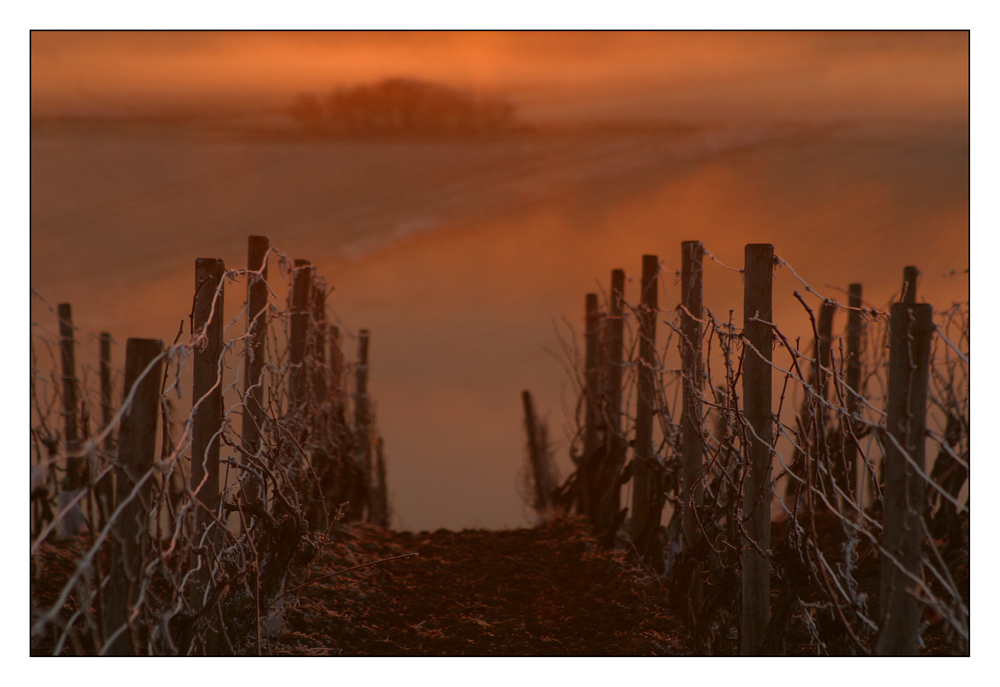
{"points": [[454, 204]]}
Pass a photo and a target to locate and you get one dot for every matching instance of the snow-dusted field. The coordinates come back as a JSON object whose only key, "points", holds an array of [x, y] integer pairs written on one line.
{"points": [[458, 255]]}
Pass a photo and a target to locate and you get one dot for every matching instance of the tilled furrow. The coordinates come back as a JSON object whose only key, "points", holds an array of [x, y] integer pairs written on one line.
{"points": [[542, 591]]}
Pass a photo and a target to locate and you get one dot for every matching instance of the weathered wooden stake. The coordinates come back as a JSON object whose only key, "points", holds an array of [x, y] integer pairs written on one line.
{"points": [[336, 361], [318, 344], [206, 424], [537, 454], [756, 571], [73, 521], [821, 376], [299, 331], [645, 516], [337, 380], [130, 534], [361, 418], [379, 512], [610, 489], [588, 468], [107, 409], [104, 489], [71, 436], [853, 382], [67, 346], [911, 327], [823, 346], [252, 486], [690, 344], [362, 421]]}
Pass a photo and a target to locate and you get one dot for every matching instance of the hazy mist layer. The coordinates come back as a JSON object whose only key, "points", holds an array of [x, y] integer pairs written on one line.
{"points": [[462, 306], [461, 256]]}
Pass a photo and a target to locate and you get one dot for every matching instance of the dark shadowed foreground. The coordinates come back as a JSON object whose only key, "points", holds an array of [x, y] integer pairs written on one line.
{"points": [[547, 591]]}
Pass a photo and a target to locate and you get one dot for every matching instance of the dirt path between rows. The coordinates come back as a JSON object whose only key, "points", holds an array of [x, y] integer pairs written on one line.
{"points": [[546, 591]]}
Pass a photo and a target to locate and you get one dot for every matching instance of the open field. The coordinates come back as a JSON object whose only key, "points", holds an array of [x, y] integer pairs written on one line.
{"points": [[458, 255]]}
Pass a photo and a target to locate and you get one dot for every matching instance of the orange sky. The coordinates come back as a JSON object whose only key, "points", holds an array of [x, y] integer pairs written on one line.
{"points": [[551, 74]]}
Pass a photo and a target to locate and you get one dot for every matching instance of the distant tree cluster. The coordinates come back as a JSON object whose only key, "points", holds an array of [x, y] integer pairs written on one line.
{"points": [[402, 105]]}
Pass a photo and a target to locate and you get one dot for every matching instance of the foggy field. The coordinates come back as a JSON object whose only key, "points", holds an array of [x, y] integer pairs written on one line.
{"points": [[458, 255]]}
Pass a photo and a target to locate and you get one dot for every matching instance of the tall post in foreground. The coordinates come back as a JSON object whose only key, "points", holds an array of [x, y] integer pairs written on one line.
{"points": [[73, 521], [690, 343], [610, 498], [206, 424], [252, 487], [645, 514], [136, 444], [853, 384], [362, 430], [911, 327], [588, 468], [301, 311], [756, 570]]}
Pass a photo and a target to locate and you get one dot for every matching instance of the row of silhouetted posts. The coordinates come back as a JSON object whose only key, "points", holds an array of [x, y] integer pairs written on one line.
{"points": [[136, 436], [599, 474]]}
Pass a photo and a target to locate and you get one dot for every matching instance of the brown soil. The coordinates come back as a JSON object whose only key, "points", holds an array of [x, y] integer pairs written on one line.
{"points": [[547, 591]]}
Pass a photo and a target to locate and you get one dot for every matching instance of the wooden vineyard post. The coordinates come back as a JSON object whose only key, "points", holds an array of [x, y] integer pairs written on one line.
{"points": [[206, 423], [588, 468], [336, 364], [690, 344], [336, 376], [379, 512], [362, 432], [645, 514], [812, 416], [136, 445], [821, 375], [316, 371], [253, 412], [853, 385], [73, 521], [104, 487], [911, 326], [907, 296], [317, 346], [107, 409], [755, 562], [825, 329], [71, 434], [298, 331], [538, 455], [610, 489]]}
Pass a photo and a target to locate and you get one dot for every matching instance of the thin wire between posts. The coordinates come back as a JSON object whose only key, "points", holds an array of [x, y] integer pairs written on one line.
{"points": [[253, 552], [826, 521]]}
